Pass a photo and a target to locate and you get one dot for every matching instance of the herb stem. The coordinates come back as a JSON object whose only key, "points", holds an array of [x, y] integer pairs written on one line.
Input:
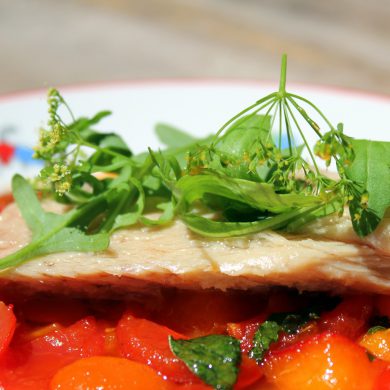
{"points": [[283, 74], [303, 137], [291, 97]]}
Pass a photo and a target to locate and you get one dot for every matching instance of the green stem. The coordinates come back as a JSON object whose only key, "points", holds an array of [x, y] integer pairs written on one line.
{"points": [[303, 137], [104, 150], [283, 74], [291, 95], [288, 129]]}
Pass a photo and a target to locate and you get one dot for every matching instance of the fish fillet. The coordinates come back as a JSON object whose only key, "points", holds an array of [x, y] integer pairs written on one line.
{"points": [[327, 255]]}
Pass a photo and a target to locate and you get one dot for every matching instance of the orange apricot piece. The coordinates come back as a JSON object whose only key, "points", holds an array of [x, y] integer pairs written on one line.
{"points": [[322, 362], [108, 373], [378, 344]]}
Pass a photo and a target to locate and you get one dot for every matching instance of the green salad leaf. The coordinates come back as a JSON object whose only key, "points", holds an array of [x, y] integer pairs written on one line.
{"points": [[51, 232], [215, 359], [370, 170]]}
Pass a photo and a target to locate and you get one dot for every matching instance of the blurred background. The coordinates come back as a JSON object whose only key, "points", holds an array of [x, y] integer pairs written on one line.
{"points": [[334, 42]]}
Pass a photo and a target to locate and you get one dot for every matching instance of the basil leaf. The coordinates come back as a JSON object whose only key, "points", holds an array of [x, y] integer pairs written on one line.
{"points": [[269, 331], [266, 334], [215, 359], [370, 170], [51, 232]]}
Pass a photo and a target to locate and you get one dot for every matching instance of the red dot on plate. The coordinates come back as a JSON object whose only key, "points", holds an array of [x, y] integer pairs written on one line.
{"points": [[6, 153]]}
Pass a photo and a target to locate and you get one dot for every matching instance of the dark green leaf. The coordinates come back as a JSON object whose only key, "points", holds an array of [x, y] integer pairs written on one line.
{"points": [[266, 334], [215, 359]]}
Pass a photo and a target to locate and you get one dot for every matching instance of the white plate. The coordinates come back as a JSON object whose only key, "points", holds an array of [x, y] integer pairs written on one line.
{"points": [[200, 107]]}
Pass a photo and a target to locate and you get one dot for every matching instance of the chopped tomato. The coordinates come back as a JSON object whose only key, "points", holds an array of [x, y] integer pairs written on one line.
{"points": [[250, 372], [245, 331], [147, 342], [324, 361], [82, 339], [383, 380], [287, 339], [7, 326], [198, 313], [378, 344], [30, 365], [5, 200], [350, 318], [108, 373]]}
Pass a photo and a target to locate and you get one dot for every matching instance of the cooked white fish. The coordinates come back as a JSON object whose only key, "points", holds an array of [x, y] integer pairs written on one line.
{"points": [[327, 255]]}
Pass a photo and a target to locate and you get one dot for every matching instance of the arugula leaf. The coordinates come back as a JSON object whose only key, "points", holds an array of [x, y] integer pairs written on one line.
{"points": [[215, 359], [260, 196], [209, 228], [370, 170], [168, 212], [51, 232]]}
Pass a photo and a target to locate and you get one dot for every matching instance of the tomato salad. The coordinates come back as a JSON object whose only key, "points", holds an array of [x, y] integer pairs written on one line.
{"points": [[67, 343]]}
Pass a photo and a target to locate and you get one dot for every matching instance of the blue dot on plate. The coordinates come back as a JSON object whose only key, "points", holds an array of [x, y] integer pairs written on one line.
{"points": [[25, 155]]}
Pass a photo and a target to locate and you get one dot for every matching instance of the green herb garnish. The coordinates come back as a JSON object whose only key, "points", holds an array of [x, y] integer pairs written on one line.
{"points": [[215, 359], [239, 181], [51, 232], [266, 334], [286, 322], [375, 329]]}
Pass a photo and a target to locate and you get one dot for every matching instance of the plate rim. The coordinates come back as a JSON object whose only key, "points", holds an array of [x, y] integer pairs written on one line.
{"points": [[119, 84]]}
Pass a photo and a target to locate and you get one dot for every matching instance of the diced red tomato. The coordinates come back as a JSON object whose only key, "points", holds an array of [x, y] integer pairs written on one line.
{"points": [[198, 313], [324, 361], [349, 318], [147, 342], [383, 380], [7, 326], [286, 339], [30, 365], [108, 373], [250, 372], [5, 200], [82, 339], [245, 331]]}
